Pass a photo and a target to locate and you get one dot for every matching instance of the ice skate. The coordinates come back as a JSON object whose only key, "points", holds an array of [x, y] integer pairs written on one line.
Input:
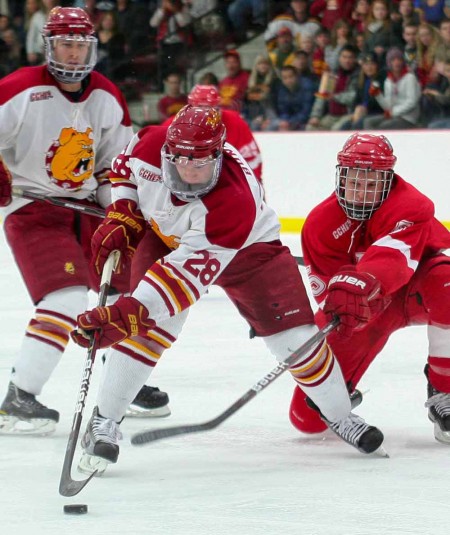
{"points": [[354, 430], [438, 405], [100, 444], [150, 402], [22, 414]]}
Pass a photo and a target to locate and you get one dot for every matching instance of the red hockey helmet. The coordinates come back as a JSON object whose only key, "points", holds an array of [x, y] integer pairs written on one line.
{"points": [[192, 154], [364, 174], [73, 26], [204, 95]]}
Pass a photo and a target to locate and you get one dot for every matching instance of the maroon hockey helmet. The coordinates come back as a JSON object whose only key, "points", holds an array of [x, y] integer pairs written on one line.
{"points": [[67, 21], [364, 174], [204, 95], [73, 26], [194, 144]]}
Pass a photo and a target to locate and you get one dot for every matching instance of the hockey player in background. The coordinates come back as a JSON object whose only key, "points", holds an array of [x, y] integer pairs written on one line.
{"points": [[60, 126], [209, 210], [373, 252], [238, 132]]}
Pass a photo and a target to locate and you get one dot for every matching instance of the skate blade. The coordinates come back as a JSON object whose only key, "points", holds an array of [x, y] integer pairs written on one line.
{"points": [[88, 464], [134, 411], [11, 425], [380, 452], [441, 436]]}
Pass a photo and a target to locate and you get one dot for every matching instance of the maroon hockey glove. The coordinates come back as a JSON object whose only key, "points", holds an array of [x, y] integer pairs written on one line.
{"points": [[355, 297], [126, 318], [5, 185], [121, 230]]}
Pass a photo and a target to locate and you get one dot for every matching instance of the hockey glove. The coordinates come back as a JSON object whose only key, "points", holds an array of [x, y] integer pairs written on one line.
{"points": [[122, 229], [126, 318], [355, 297], [5, 185]]}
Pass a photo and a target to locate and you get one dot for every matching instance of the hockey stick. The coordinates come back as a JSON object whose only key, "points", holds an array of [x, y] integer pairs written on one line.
{"points": [[144, 437], [89, 210], [67, 485]]}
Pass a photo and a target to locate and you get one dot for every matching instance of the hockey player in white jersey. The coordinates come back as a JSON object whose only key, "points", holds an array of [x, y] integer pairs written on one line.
{"points": [[212, 226], [60, 126]]}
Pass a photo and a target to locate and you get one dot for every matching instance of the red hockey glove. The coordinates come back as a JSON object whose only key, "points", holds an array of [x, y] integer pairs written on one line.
{"points": [[126, 318], [122, 230], [355, 297], [5, 185]]}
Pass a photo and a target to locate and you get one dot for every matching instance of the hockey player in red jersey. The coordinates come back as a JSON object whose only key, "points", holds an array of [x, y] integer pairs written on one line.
{"points": [[60, 126], [373, 252], [238, 132], [203, 200]]}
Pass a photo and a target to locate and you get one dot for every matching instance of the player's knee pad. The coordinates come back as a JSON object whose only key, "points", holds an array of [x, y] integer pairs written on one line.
{"points": [[285, 343], [302, 417], [56, 314], [436, 294]]}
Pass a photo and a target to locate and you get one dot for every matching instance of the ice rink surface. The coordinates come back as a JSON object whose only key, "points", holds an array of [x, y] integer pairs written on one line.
{"points": [[254, 474]]}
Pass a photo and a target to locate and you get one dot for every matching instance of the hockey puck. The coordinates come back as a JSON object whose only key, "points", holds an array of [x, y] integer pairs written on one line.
{"points": [[76, 509]]}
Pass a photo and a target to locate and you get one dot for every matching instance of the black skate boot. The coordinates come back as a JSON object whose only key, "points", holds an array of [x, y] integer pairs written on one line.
{"points": [[100, 444], [150, 402], [354, 430], [21, 413], [438, 405]]}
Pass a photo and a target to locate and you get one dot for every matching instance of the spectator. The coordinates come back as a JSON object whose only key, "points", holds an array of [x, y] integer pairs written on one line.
{"points": [[90, 6], [404, 15], [330, 11], [380, 34], [233, 86], [258, 106], [431, 11], [360, 15], [341, 35], [443, 49], [174, 99], [171, 20], [332, 108], [133, 23], [111, 45], [34, 42], [294, 97], [436, 99], [428, 43], [400, 98], [13, 57], [208, 78], [322, 40], [243, 14], [283, 53], [302, 63], [366, 105], [410, 50], [296, 18]]}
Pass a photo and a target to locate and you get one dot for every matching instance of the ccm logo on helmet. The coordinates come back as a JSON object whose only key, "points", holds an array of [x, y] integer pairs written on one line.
{"points": [[187, 147], [349, 280]]}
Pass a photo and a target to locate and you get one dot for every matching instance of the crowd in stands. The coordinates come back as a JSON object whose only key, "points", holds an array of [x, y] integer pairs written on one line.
{"points": [[324, 65]]}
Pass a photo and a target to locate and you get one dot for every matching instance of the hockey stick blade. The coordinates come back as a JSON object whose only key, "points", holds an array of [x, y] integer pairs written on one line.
{"points": [[68, 486], [144, 437], [63, 203]]}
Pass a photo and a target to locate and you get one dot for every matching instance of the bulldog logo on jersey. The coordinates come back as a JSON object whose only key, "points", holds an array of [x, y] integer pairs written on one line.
{"points": [[70, 159]]}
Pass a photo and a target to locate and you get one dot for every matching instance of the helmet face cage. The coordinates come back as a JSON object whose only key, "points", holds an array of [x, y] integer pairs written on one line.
{"points": [[172, 170], [192, 154], [70, 73], [361, 191]]}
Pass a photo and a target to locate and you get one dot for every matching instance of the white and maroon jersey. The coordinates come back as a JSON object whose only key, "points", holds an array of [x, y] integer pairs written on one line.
{"points": [[240, 136], [390, 245], [205, 234], [53, 145]]}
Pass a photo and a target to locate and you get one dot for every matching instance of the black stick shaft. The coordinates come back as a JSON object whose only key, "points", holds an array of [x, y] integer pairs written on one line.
{"points": [[67, 485], [145, 437]]}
